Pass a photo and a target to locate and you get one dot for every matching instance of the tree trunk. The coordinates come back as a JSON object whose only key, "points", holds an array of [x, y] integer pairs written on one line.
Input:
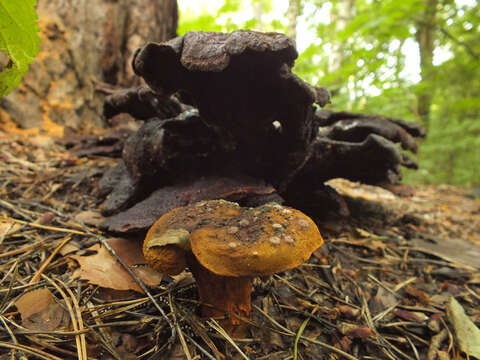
{"points": [[293, 12], [258, 13], [426, 30], [341, 15], [85, 41]]}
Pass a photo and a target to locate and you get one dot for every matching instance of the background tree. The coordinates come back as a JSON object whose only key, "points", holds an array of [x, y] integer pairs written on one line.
{"points": [[85, 42]]}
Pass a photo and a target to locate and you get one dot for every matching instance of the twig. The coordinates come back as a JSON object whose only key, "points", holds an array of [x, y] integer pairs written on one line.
{"points": [[200, 348], [36, 352], [10, 287], [179, 331], [435, 344], [42, 268], [141, 284], [72, 316], [45, 227], [461, 43], [12, 336], [22, 249], [103, 335], [216, 326], [79, 319]]}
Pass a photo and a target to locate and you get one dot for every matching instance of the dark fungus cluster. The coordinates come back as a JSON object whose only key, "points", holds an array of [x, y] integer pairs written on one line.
{"points": [[225, 118]]}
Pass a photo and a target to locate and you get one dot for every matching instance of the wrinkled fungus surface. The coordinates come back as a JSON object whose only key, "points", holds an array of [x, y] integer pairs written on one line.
{"points": [[228, 105]]}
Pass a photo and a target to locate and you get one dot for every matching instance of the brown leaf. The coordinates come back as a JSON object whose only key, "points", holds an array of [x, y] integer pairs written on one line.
{"points": [[89, 218], [344, 343], [349, 312], [46, 218], [355, 331], [422, 296], [40, 311], [381, 301], [102, 269], [148, 275], [7, 227], [129, 251], [411, 315]]}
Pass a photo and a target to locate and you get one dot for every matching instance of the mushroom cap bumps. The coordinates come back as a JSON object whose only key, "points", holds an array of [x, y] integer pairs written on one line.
{"points": [[260, 241], [232, 241], [167, 241]]}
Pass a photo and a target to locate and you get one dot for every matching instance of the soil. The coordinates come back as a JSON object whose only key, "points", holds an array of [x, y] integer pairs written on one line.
{"points": [[379, 288]]}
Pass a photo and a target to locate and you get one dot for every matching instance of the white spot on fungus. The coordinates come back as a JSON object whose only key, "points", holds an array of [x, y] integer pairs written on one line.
{"points": [[255, 253], [275, 240], [288, 239], [244, 223], [232, 230], [232, 245], [277, 226], [286, 211], [303, 223]]}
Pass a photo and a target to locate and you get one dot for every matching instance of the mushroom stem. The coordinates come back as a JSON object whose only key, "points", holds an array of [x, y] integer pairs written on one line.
{"points": [[223, 297]]}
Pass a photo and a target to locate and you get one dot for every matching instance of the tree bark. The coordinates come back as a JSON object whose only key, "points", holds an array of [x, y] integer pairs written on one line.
{"points": [[426, 30], [85, 42]]}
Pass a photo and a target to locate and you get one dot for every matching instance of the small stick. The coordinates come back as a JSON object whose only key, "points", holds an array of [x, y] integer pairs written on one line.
{"points": [[79, 319], [22, 249], [45, 227], [40, 271], [435, 344], [72, 315]]}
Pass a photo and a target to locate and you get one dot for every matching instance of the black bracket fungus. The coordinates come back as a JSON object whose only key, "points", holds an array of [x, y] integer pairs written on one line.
{"points": [[241, 83], [255, 118]]}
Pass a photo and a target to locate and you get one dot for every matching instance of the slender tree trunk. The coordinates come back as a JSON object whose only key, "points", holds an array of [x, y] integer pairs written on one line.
{"points": [[85, 42], [426, 31], [293, 12], [258, 12], [341, 15]]}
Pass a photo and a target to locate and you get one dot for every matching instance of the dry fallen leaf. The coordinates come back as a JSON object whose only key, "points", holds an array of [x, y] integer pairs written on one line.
{"points": [[467, 334], [102, 268], [40, 311], [129, 251], [8, 227], [92, 218]]}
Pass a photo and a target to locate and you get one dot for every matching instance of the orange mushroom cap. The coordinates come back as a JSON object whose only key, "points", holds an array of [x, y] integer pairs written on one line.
{"points": [[261, 241], [167, 240], [232, 241]]}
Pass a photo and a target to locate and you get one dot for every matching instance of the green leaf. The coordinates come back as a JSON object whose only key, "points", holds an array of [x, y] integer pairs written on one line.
{"points": [[18, 40]]}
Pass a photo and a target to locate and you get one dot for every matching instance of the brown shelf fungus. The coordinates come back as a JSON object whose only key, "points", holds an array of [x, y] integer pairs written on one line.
{"points": [[225, 246]]}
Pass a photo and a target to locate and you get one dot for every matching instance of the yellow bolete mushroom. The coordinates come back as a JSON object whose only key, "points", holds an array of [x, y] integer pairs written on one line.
{"points": [[225, 246]]}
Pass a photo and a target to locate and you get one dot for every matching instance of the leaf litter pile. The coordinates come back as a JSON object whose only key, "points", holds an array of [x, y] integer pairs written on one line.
{"points": [[398, 278]]}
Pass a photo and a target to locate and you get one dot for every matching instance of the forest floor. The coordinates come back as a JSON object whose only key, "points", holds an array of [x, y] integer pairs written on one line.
{"points": [[393, 280]]}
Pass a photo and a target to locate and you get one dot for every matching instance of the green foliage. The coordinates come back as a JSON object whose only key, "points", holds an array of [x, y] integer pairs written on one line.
{"points": [[18, 40], [369, 67], [229, 17]]}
